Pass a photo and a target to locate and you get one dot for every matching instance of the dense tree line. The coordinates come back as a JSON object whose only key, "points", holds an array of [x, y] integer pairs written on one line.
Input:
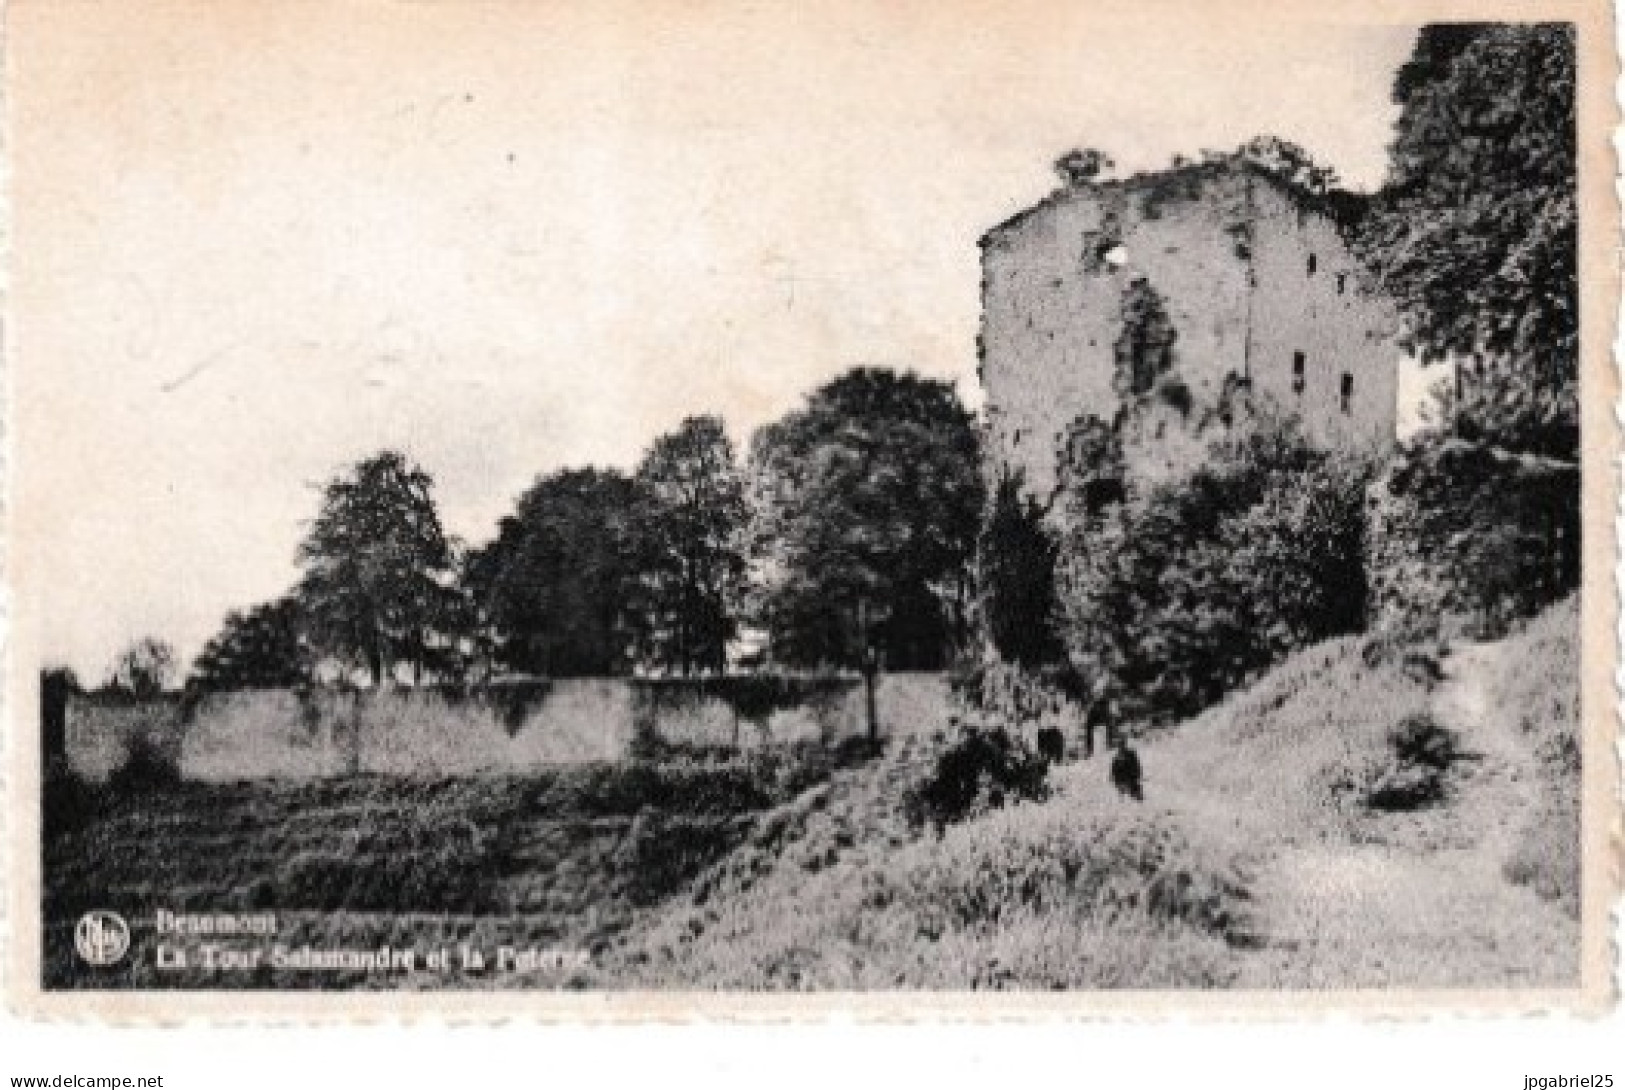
{"points": [[845, 538]]}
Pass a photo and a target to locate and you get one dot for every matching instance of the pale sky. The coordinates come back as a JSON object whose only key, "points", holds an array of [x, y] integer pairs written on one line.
{"points": [[257, 241]]}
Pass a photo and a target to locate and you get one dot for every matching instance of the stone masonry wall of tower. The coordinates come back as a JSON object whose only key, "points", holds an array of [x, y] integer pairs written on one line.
{"points": [[1256, 284]]}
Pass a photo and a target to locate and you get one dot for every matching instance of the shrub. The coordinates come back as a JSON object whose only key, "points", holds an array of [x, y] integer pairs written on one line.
{"points": [[1187, 589], [1422, 753], [979, 770], [1407, 772], [1418, 740]]}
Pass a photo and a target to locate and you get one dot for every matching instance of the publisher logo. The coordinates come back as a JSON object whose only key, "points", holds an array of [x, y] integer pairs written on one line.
{"points": [[102, 938]]}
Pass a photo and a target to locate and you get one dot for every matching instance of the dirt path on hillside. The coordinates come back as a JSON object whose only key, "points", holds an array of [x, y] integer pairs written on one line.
{"points": [[1427, 905]]}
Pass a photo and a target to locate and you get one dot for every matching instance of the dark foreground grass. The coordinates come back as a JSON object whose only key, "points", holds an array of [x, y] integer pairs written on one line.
{"points": [[566, 858]]}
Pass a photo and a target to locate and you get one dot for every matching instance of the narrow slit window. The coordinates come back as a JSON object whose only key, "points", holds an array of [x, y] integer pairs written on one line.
{"points": [[1346, 393], [1298, 363], [1342, 283], [1314, 263]]}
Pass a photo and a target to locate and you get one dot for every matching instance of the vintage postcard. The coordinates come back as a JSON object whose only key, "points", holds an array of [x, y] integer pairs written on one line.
{"points": [[677, 509]]}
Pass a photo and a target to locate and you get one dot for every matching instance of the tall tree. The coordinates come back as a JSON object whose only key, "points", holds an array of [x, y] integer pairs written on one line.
{"points": [[264, 648], [1015, 560], [695, 565], [379, 567], [555, 591], [866, 503], [1475, 231]]}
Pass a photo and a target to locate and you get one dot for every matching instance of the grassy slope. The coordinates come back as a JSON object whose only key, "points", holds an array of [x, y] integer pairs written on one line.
{"points": [[835, 891], [1254, 861], [1353, 897], [1533, 695]]}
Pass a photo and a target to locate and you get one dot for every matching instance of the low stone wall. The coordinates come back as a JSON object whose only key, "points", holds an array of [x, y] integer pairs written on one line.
{"points": [[280, 734], [1467, 537]]}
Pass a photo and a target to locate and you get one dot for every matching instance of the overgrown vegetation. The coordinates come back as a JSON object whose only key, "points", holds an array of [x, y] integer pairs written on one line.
{"points": [[1189, 586], [1481, 195], [1144, 350], [1469, 535]]}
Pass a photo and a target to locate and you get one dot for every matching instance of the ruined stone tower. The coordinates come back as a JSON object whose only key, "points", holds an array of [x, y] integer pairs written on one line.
{"points": [[1189, 286]]}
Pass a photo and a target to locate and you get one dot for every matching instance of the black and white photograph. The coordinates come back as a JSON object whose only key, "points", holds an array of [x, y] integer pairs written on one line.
{"points": [[839, 500]]}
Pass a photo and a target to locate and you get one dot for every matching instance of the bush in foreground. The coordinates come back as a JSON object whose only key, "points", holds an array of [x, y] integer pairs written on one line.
{"points": [[1407, 772], [980, 769]]}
